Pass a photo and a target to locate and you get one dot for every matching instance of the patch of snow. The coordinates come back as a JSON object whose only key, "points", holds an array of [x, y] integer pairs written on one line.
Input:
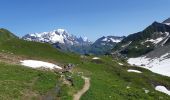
{"points": [[120, 64], [162, 89], [156, 41], [167, 33], [115, 40], [127, 87], [165, 55], [158, 65], [105, 39], [146, 91], [61, 31], [167, 23], [147, 46], [32, 35], [95, 58], [38, 64], [132, 70], [142, 43], [164, 41], [167, 37], [56, 38], [39, 35], [85, 39], [138, 61]]}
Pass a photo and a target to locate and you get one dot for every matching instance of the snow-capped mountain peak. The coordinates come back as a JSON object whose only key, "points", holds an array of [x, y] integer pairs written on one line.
{"points": [[56, 36]]}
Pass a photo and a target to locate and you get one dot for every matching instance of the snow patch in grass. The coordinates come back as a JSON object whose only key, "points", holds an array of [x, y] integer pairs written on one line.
{"points": [[120, 64], [162, 89], [147, 46], [146, 91], [132, 70], [127, 87], [38, 64], [95, 58]]}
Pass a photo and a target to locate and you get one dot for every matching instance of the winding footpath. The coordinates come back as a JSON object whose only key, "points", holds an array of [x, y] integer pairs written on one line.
{"points": [[86, 86]]}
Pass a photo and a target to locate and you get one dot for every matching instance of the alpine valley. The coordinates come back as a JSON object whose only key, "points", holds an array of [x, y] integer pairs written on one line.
{"points": [[42, 66]]}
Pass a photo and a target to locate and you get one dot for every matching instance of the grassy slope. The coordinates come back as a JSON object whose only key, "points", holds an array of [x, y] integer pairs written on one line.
{"points": [[6, 35], [36, 50], [18, 82], [109, 81]]}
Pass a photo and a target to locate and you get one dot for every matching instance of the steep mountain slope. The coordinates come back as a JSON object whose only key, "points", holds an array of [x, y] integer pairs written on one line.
{"points": [[150, 47], [154, 36], [60, 39], [104, 44]]}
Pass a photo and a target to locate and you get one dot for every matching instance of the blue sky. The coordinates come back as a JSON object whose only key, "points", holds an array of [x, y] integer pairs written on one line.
{"points": [[91, 18]]}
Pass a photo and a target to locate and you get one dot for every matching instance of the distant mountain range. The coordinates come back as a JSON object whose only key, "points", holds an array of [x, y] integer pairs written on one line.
{"points": [[61, 39], [154, 36]]}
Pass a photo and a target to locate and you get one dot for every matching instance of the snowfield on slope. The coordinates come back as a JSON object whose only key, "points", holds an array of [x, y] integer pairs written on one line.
{"points": [[132, 70], [158, 65], [95, 58], [162, 89], [120, 64], [38, 64], [156, 41]]}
